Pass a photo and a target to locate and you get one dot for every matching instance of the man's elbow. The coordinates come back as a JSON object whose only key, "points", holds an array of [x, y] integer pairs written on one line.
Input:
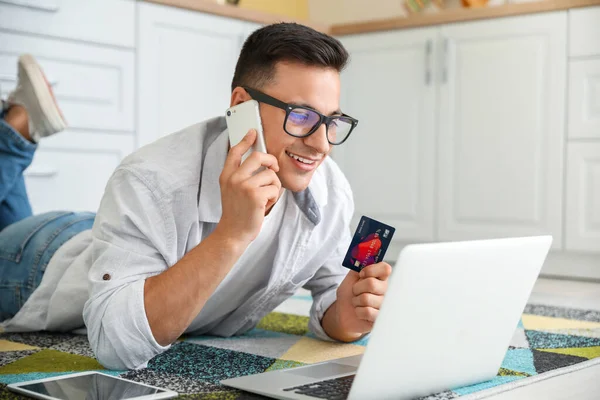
{"points": [[113, 357], [109, 356], [118, 330], [110, 360]]}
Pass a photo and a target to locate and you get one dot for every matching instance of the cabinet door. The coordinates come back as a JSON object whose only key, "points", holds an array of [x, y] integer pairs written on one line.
{"points": [[584, 98], [583, 197], [70, 170], [584, 31], [186, 62], [94, 85], [502, 111], [389, 159]]}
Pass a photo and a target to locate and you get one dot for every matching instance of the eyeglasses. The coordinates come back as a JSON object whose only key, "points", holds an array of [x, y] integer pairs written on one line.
{"points": [[303, 121]]}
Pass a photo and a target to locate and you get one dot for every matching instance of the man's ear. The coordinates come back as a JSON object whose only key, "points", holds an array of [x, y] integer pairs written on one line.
{"points": [[239, 95]]}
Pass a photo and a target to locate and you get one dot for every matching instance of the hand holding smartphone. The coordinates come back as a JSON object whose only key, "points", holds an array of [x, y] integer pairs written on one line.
{"points": [[250, 189], [240, 119]]}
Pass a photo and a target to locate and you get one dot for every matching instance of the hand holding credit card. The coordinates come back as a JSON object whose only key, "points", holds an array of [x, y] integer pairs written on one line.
{"points": [[369, 244]]}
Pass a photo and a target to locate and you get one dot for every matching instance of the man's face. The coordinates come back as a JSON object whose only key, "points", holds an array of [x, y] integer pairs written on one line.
{"points": [[314, 87]]}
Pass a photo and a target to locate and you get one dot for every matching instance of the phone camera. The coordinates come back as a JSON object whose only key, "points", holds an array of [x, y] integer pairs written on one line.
{"points": [[229, 113]]}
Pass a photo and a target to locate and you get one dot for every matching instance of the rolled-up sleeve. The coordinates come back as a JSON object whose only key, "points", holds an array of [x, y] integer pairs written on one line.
{"points": [[323, 285], [131, 236]]}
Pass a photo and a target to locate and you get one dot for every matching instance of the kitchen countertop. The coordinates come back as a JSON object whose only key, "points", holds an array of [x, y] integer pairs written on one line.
{"points": [[418, 20], [459, 15]]}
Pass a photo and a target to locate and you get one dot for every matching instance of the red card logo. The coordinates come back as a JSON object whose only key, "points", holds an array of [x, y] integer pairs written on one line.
{"points": [[366, 251]]}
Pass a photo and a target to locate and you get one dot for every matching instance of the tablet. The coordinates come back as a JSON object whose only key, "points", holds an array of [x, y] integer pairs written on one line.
{"points": [[89, 386]]}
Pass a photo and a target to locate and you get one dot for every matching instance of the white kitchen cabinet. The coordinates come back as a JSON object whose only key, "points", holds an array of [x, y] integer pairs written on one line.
{"points": [[584, 31], [70, 170], [85, 49], [584, 98], [186, 62], [501, 128], [389, 159], [93, 84], [109, 22], [583, 197]]}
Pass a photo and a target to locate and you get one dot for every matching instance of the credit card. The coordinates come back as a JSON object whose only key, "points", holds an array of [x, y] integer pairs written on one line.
{"points": [[369, 244]]}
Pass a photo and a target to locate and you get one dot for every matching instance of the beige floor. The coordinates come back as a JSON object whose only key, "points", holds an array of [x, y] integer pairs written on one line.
{"points": [[565, 293], [582, 385]]}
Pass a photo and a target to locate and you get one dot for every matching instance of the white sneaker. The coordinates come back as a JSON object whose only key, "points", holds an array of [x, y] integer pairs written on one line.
{"points": [[34, 93]]}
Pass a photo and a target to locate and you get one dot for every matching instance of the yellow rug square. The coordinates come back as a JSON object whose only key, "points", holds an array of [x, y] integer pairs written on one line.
{"points": [[6, 345], [586, 352], [542, 323], [310, 351]]}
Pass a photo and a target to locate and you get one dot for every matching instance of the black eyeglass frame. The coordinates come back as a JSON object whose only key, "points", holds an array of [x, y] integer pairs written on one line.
{"points": [[272, 101]]}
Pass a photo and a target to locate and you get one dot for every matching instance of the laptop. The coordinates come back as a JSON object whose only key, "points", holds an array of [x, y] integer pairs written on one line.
{"points": [[446, 321]]}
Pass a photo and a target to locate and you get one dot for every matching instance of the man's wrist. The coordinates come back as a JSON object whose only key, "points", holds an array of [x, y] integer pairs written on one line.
{"points": [[334, 329], [229, 243]]}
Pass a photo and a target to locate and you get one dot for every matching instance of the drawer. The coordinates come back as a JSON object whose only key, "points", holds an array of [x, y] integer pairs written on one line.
{"points": [[584, 98], [94, 85], [70, 170], [584, 31], [99, 21], [583, 197]]}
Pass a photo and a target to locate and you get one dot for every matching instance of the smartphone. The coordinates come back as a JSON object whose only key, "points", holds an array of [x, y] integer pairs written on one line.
{"points": [[240, 119]]}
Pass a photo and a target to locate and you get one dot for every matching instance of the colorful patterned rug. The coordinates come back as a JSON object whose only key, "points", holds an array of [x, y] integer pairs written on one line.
{"points": [[548, 340]]}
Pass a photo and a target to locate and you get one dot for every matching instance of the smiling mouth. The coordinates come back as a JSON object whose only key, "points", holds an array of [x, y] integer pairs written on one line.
{"points": [[301, 159]]}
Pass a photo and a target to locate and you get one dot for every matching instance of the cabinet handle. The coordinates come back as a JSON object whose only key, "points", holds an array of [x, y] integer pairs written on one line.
{"points": [[41, 173], [428, 50], [12, 78], [44, 5]]}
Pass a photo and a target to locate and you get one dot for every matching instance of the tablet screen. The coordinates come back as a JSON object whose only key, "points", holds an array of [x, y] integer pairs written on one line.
{"points": [[88, 387]]}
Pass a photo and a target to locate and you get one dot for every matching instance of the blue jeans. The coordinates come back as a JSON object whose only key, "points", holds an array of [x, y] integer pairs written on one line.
{"points": [[27, 242]]}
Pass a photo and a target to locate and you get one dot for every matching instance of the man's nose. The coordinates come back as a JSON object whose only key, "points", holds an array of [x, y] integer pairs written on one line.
{"points": [[318, 140]]}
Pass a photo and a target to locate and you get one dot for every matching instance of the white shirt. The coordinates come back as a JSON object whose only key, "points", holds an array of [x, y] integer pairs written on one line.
{"points": [[159, 204], [248, 274]]}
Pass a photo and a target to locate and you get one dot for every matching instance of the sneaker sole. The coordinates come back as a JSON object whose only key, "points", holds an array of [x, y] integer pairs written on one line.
{"points": [[42, 91]]}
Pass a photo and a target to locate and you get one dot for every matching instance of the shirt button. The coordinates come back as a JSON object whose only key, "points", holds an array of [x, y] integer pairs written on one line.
{"points": [[106, 277]]}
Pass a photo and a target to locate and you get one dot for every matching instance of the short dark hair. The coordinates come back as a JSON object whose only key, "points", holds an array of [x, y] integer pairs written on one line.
{"points": [[284, 41]]}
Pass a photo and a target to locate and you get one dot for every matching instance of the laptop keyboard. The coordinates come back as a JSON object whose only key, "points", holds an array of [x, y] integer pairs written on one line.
{"points": [[331, 389]]}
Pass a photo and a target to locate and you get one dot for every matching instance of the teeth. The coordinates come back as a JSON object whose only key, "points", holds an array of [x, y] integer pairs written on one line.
{"points": [[302, 160]]}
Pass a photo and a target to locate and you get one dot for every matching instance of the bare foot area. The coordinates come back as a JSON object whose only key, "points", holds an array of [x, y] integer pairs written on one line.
{"points": [[17, 117]]}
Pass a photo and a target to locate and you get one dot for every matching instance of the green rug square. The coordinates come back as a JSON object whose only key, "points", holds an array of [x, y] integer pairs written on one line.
{"points": [[285, 323], [51, 361]]}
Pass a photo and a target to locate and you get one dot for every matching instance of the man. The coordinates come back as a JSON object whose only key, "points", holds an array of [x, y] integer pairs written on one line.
{"points": [[189, 239]]}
